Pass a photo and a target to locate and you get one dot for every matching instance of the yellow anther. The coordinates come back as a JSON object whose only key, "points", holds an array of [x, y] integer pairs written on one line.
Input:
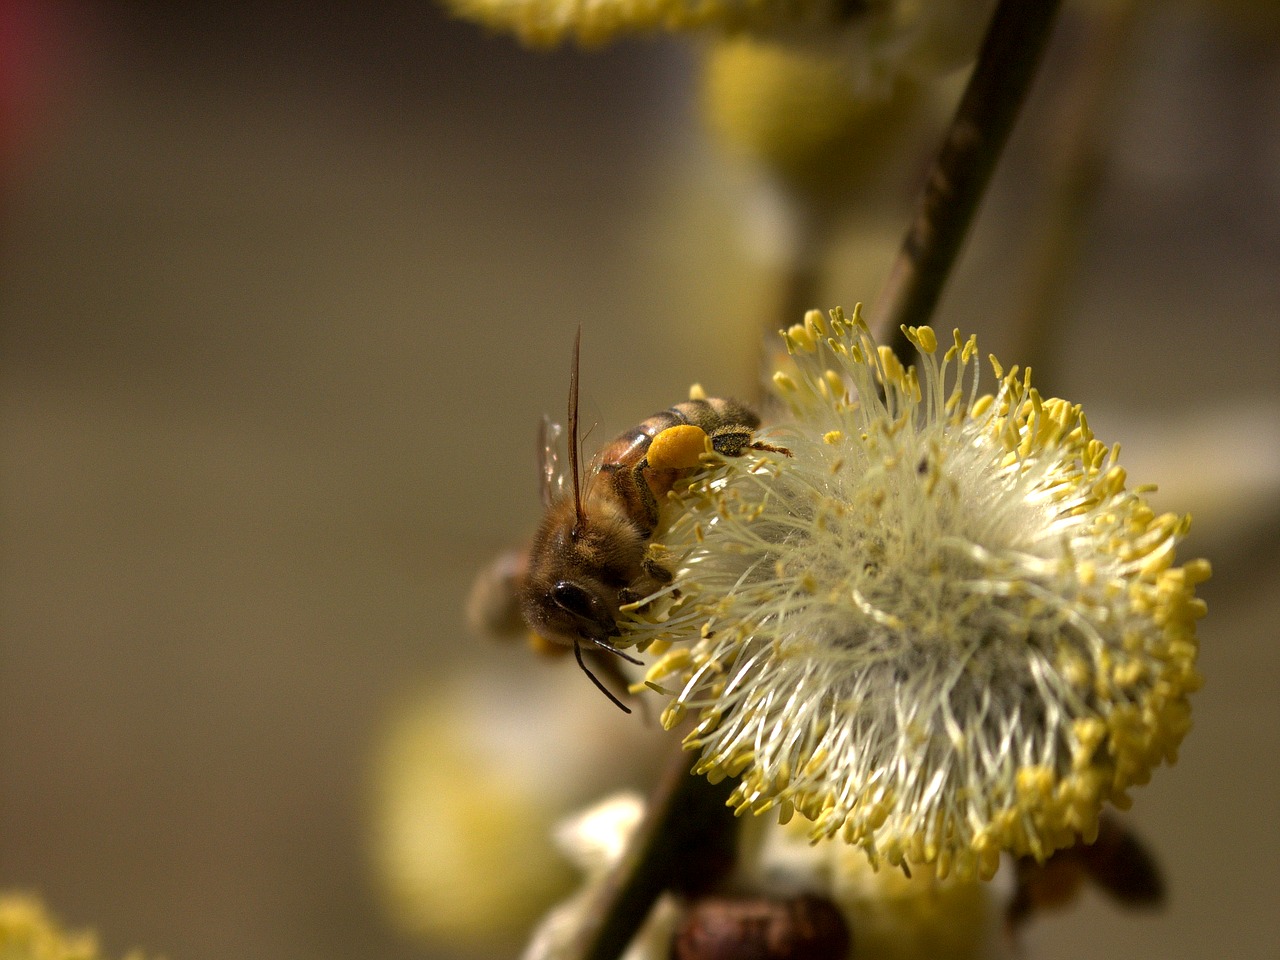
{"points": [[923, 337], [784, 382], [801, 337]]}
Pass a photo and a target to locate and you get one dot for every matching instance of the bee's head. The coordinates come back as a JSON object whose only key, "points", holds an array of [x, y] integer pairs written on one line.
{"points": [[571, 597], [571, 593]]}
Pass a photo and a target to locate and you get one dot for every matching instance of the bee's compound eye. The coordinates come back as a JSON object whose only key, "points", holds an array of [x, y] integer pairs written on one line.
{"points": [[591, 615], [573, 598]]}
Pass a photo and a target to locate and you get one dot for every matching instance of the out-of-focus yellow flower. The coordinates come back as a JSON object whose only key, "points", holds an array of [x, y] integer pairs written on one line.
{"points": [[921, 34], [544, 23], [28, 932], [943, 629], [467, 783], [817, 93], [805, 118]]}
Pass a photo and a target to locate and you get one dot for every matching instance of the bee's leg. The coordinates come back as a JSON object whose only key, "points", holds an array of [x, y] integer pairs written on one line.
{"points": [[626, 596], [657, 571], [659, 575], [732, 440], [770, 448], [647, 499]]}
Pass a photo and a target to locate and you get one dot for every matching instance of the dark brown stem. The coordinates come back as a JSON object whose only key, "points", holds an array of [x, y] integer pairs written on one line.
{"points": [[685, 843], [1007, 62]]}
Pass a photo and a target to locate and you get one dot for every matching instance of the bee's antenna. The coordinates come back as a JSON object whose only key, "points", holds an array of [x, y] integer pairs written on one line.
{"points": [[577, 652], [608, 647], [573, 455]]}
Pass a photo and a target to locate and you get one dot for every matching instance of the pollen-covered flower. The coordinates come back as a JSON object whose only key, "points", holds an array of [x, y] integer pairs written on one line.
{"points": [[817, 122], [942, 629], [542, 23]]}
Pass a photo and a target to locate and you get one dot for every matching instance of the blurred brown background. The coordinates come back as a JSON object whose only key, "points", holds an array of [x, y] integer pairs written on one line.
{"points": [[282, 294]]}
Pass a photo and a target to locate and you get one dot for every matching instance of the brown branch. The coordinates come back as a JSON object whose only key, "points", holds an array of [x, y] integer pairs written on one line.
{"points": [[685, 843], [1007, 62]]}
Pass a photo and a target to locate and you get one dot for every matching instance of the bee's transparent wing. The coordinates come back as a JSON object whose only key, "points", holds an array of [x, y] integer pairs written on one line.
{"points": [[550, 472], [493, 605]]}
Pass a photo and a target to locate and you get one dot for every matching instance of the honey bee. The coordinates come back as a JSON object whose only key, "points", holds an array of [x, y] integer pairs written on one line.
{"points": [[590, 554]]}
